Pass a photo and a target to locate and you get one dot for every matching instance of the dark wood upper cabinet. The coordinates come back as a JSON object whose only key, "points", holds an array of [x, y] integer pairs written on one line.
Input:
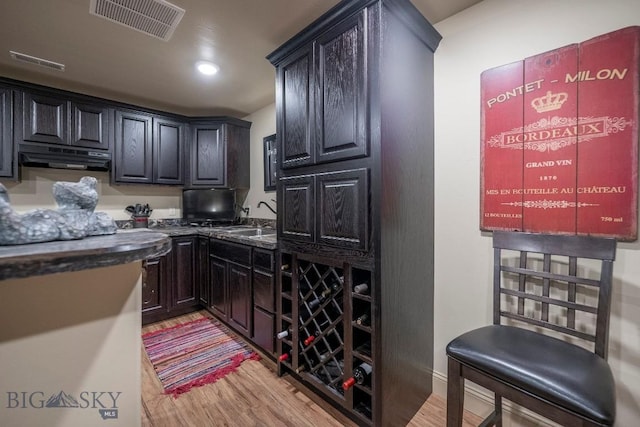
{"points": [[90, 125], [7, 158], [208, 153], [343, 209], [294, 91], [341, 92], [133, 148], [52, 119], [148, 149], [297, 208], [330, 208], [322, 98], [44, 119], [219, 154], [168, 151]]}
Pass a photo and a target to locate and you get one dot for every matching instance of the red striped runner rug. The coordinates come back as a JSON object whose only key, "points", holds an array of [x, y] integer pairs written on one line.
{"points": [[194, 354]]}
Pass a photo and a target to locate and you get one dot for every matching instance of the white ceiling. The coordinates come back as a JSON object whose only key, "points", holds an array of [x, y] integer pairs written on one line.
{"points": [[109, 60]]}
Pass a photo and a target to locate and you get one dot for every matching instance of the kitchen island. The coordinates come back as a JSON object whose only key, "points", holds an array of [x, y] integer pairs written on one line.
{"points": [[70, 330]]}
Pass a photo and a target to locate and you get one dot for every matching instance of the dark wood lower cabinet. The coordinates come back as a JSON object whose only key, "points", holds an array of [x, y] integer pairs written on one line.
{"points": [[169, 287], [154, 289], [263, 299], [202, 269], [184, 289], [231, 285], [240, 301], [218, 289], [235, 282]]}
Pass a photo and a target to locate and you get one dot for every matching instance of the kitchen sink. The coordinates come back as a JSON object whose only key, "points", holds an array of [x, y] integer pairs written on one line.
{"points": [[251, 232]]}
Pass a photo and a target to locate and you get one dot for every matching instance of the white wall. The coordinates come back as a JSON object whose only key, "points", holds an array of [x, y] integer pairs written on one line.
{"points": [[493, 33], [263, 124], [35, 191]]}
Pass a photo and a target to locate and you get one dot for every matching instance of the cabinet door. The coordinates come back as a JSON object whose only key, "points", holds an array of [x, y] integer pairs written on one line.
{"points": [[203, 270], [154, 290], [168, 151], [6, 141], [343, 209], [263, 290], [208, 153], [184, 289], [297, 219], [218, 288], [341, 92], [295, 98], [263, 329], [240, 304], [133, 150], [90, 126], [44, 119]]}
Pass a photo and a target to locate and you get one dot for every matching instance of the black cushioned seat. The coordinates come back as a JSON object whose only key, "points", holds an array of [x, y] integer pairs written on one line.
{"points": [[547, 367], [550, 283]]}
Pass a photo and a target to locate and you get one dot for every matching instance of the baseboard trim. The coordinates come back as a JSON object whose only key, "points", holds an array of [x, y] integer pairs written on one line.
{"points": [[480, 402]]}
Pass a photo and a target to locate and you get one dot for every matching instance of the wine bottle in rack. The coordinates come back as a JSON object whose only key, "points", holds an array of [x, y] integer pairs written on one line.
{"points": [[311, 338], [364, 319], [361, 289], [360, 376], [333, 289], [284, 334], [285, 357]]}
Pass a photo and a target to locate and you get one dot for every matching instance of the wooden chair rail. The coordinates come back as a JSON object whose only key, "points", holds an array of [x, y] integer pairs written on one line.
{"points": [[548, 325], [552, 301], [551, 276]]}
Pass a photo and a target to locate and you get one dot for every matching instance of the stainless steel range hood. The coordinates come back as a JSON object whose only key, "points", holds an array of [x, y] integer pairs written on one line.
{"points": [[60, 157]]}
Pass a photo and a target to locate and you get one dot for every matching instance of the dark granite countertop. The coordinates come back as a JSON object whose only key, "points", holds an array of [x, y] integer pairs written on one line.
{"points": [[73, 255], [267, 240]]}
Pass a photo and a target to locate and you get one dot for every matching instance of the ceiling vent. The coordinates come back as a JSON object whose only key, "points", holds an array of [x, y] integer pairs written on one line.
{"points": [[156, 18], [23, 57]]}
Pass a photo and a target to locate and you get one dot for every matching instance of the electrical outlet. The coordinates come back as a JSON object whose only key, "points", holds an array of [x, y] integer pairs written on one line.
{"points": [[172, 212], [247, 210]]}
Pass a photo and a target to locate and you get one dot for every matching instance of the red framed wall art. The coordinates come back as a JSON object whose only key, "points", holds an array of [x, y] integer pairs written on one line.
{"points": [[559, 149]]}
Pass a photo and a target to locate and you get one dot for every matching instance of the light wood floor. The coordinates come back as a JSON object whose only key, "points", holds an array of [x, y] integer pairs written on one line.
{"points": [[253, 396]]}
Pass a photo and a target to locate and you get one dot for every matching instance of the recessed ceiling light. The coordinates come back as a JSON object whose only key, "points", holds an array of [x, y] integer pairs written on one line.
{"points": [[207, 68]]}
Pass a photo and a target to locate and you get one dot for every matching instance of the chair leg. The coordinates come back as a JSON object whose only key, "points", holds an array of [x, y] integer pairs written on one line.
{"points": [[455, 394], [498, 410]]}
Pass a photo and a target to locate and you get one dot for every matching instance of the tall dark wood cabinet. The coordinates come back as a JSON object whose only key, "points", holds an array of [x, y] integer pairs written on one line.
{"points": [[354, 107], [219, 153], [8, 164]]}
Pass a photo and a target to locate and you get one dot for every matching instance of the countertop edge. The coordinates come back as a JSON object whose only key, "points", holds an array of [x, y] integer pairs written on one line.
{"points": [[93, 252]]}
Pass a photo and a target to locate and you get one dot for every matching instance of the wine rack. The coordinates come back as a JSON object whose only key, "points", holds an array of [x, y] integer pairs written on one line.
{"points": [[329, 329]]}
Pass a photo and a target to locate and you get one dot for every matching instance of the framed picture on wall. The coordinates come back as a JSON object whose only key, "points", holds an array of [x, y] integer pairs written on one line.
{"points": [[269, 147]]}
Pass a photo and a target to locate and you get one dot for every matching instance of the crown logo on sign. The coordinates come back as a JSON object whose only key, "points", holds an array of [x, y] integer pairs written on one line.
{"points": [[549, 102]]}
